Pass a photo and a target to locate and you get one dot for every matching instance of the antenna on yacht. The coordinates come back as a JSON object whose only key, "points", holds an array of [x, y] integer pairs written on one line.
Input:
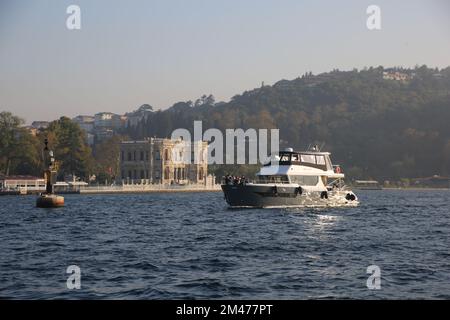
{"points": [[322, 146]]}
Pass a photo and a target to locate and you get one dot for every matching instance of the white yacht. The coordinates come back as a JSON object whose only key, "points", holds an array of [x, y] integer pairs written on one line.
{"points": [[292, 179]]}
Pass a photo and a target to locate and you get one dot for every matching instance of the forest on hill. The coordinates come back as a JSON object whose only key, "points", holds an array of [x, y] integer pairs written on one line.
{"points": [[384, 124], [378, 123]]}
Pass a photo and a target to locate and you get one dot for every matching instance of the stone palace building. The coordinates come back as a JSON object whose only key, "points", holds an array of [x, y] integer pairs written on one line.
{"points": [[163, 161]]}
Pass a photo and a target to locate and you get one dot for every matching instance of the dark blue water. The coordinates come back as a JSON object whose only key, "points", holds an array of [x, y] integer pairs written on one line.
{"points": [[189, 245]]}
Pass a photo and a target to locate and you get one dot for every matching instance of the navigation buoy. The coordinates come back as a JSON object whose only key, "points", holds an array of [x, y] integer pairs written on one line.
{"points": [[48, 199]]}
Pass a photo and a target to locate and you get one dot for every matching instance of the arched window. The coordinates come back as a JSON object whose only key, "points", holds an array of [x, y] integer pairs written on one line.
{"points": [[200, 174], [167, 173], [166, 155]]}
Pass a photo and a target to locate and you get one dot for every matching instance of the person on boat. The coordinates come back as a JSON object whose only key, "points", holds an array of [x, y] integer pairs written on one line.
{"points": [[227, 179]]}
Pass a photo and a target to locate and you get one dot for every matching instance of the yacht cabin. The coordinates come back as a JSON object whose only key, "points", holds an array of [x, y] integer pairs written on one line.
{"points": [[308, 168]]}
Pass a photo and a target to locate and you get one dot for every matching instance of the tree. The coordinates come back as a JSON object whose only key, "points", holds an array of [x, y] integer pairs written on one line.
{"points": [[145, 107], [18, 148], [68, 141], [106, 155], [205, 100], [9, 127]]}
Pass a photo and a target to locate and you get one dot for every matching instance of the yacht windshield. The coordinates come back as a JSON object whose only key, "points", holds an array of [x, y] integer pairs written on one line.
{"points": [[320, 160], [308, 158]]}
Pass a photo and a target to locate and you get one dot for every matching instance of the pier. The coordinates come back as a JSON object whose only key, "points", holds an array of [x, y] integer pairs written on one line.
{"points": [[121, 189]]}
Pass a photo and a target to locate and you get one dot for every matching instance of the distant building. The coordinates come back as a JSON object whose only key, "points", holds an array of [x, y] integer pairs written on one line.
{"points": [[133, 118], [18, 183], [90, 139], [106, 125], [162, 161], [367, 185], [103, 134], [40, 125], [107, 120], [397, 76], [85, 122]]}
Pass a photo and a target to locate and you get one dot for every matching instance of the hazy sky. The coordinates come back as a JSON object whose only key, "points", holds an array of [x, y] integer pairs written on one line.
{"points": [[159, 52]]}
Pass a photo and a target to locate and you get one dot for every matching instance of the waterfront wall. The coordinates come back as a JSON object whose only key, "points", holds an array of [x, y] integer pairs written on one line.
{"points": [[149, 188]]}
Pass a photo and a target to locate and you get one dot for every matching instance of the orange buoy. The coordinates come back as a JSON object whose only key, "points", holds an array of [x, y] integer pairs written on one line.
{"points": [[49, 201]]}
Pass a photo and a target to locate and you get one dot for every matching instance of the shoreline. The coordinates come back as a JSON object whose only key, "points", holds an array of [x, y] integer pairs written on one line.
{"points": [[406, 189], [119, 190], [87, 192]]}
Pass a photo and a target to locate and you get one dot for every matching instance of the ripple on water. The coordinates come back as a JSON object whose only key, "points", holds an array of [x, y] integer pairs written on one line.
{"points": [[174, 246]]}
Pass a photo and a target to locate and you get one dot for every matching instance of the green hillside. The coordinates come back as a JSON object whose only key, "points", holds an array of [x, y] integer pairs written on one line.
{"points": [[376, 127]]}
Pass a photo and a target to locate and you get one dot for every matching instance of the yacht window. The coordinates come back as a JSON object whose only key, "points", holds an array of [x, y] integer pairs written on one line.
{"points": [[305, 180], [320, 160], [295, 157], [284, 157], [273, 179], [308, 158]]}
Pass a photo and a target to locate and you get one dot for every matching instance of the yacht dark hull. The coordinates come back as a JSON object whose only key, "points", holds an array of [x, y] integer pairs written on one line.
{"points": [[260, 196]]}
